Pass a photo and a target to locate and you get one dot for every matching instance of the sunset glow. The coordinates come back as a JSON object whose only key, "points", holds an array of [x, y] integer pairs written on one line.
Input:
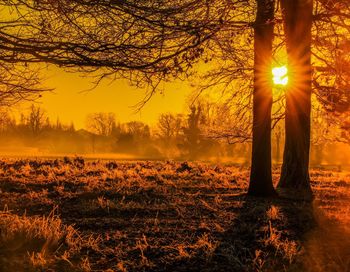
{"points": [[182, 135], [280, 75]]}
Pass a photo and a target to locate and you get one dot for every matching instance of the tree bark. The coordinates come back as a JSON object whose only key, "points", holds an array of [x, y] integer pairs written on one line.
{"points": [[261, 176], [278, 147], [295, 169]]}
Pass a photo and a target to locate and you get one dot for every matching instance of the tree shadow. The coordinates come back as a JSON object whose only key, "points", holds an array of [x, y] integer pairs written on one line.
{"points": [[275, 235], [327, 246], [266, 236]]}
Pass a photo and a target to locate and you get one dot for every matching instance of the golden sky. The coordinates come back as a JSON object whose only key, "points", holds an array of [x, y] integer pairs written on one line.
{"points": [[70, 101]]}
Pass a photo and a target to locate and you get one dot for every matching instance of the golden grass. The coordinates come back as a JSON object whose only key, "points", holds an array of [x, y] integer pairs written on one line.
{"points": [[78, 215], [37, 242]]}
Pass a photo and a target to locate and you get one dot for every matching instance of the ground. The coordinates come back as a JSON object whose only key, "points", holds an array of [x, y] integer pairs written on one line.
{"points": [[78, 215]]}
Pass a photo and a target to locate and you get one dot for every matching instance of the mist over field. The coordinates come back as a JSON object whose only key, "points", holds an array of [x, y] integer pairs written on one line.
{"points": [[332, 156]]}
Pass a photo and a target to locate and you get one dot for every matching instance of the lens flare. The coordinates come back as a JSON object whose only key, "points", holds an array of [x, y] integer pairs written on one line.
{"points": [[280, 75]]}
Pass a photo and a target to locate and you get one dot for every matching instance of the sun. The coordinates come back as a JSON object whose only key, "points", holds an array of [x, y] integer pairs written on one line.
{"points": [[280, 75]]}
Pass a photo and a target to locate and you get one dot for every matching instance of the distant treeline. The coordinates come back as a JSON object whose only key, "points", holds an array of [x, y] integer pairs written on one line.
{"points": [[175, 136]]}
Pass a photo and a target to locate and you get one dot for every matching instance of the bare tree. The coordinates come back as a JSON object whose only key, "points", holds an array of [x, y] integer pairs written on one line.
{"points": [[6, 121], [169, 126], [36, 119], [19, 82], [101, 123], [330, 47], [154, 40], [139, 131], [145, 42]]}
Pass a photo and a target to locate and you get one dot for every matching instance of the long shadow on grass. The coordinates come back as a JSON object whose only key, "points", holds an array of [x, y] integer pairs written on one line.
{"points": [[266, 236], [327, 246], [250, 243], [273, 235]]}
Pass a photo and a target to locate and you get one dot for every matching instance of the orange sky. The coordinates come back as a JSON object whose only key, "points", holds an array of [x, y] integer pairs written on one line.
{"points": [[69, 102]]}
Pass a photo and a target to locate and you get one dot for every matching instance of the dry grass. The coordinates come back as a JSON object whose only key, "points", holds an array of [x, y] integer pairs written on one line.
{"points": [[33, 243], [77, 215]]}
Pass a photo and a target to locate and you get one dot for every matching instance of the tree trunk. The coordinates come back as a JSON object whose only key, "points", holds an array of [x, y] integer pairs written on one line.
{"points": [[295, 169], [278, 147], [261, 176]]}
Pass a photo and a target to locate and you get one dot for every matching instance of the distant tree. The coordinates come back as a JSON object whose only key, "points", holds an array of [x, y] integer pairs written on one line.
{"points": [[36, 119], [192, 132], [196, 142], [58, 125], [169, 126], [101, 123], [6, 122], [277, 133], [71, 127], [169, 132], [133, 137], [139, 130]]}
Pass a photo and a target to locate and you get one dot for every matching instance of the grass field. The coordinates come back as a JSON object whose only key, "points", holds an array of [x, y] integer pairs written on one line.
{"points": [[76, 215]]}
